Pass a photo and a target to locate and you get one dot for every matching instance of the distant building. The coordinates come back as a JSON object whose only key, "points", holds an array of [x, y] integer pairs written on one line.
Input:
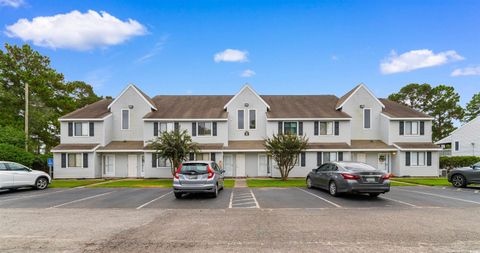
{"points": [[464, 141]]}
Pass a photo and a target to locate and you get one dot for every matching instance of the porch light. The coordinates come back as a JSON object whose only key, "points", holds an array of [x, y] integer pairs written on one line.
{"points": [[394, 153]]}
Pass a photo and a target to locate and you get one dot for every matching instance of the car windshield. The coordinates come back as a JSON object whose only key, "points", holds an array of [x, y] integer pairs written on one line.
{"points": [[194, 167], [358, 167]]}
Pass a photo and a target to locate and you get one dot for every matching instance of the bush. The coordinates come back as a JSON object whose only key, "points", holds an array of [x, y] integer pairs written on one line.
{"points": [[13, 136], [450, 162], [40, 162], [16, 154]]}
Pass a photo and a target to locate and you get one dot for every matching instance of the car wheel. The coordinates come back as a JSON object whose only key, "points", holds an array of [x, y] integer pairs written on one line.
{"points": [[373, 195], [332, 188], [459, 181], [309, 183], [215, 191], [41, 183], [178, 195]]}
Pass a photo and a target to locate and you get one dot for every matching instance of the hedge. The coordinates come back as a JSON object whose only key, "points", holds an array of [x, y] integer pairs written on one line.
{"points": [[16, 154], [450, 162]]}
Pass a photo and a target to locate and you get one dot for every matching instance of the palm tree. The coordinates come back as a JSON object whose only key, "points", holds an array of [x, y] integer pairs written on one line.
{"points": [[284, 149], [175, 146]]}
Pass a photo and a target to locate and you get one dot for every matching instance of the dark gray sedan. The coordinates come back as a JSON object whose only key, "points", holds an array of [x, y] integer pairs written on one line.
{"points": [[461, 177], [349, 177]]}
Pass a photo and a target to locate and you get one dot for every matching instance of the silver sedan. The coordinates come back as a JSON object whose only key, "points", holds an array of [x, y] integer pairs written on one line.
{"points": [[349, 177]]}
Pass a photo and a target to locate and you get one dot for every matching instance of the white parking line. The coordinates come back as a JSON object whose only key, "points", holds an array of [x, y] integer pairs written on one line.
{"points": [[35, 195], [255, 199], [153, 200], [399, 201], [326, 200], [82, 199], [441, 196], [231, 198]]}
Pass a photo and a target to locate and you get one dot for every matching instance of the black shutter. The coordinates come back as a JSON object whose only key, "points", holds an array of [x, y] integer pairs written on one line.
{"points": [[70, 128], [212, 156], [407, 158], [302, 159], [337, 128], [194, 128], [429, 158], [85, 160], [154, 160], [300, 128], [64, 160], [176, 126], [315, 128], [340, 156], [155, 128], [214, 126], [401, 127], [319, 158], [192, 157], [91, 129], [280, 125], [422, 127]]}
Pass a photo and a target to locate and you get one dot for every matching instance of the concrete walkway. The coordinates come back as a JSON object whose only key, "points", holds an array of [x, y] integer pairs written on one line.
{"points": [[240, 183]]}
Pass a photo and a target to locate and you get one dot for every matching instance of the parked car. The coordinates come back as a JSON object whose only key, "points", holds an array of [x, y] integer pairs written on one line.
{"points": [[461, 177], [198, 177], [349, 177], [14, 175]]}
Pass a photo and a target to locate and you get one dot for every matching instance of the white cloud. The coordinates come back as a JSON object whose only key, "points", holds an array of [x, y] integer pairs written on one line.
{"points": [[469, 71], [417, 59], [12, 3], [335, 58], [155, 50], [248, 73], [76, 30], [231, 55]]}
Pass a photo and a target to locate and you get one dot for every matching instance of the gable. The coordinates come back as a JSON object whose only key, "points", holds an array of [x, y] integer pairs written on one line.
{"points": [[363, 90], [137, 91], [246, 91]]}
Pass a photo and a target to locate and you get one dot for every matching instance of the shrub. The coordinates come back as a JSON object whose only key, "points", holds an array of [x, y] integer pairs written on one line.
{"points": [[40, 162], [16, 154], [450, 162]]}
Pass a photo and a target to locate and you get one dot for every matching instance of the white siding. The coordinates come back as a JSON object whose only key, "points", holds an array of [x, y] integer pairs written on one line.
{"points": [[59, 172], [466, 135], [97, 138], [394, 133]]}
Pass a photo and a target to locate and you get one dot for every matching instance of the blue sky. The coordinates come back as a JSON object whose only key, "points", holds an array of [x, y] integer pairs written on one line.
{"points": [[285, 47]]}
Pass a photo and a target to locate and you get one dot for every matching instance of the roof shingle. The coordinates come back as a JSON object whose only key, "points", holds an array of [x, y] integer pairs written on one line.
{"points": [[96, 110], [396, 110], [303, 106], [189, 107]]}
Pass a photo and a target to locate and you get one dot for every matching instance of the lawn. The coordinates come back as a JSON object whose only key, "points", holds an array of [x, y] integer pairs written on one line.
{"points": [[71, 183], [229, 183], [423, 181], [137, 183], [275, 183]]}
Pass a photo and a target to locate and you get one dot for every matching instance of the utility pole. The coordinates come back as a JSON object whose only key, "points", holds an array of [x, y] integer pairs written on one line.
{"points": [[26, 117]]}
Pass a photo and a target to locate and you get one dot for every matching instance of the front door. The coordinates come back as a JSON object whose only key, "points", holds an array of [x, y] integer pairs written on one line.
{"points": [[361, 157], [263, 165], [109, 165], [228, 164], [240, 165], [383, 161], [132, 166]]}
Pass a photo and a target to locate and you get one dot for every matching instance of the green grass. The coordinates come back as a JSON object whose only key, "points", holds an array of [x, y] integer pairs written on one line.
{"points": [[71, 183], [275, 183], [137, 183], [423, 181], [229, 183]]}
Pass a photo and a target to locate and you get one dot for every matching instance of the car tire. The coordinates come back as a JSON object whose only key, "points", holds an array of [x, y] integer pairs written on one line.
{"points": [[459, 181], [41, 183], [333, 189], [373, 195], [309, 183], [215, 192], [178, 195]]}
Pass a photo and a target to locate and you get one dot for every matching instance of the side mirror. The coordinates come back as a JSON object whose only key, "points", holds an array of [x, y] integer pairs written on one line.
{"points": [[222, 171]]}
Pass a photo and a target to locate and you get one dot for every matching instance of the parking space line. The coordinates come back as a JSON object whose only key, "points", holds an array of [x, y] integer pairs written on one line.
{"points": [[255, 199], [82, 199], [441, 196], [231, 198], [315, 195], [153, 200], [35, 195], [399, 201]]}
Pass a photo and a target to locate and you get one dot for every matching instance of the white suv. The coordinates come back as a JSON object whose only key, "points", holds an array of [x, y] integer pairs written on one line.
{"points": [[14, 175]]}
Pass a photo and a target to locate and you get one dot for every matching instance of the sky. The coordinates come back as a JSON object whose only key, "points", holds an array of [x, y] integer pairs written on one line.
{"points": [[278, 47]]}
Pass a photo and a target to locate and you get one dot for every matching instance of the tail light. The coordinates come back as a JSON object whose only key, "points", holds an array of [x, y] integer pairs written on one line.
{"points": [[387, 176], [178, 172], [210, 172], [350, 176]]}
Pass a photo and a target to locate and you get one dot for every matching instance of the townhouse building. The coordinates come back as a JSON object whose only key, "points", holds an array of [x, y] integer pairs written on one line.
{"points": [[110, 138], [464, 141]]}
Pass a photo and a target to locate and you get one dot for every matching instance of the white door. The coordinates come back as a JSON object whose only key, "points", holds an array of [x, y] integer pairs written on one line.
{"points": [[109, 165], [228, 165], [240, 165], [263, 165], [383, 161], [132, 166], [361, 157], [6, 176]]}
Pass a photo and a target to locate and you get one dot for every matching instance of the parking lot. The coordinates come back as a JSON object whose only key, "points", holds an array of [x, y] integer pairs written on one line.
{"points": [[263, 198]]}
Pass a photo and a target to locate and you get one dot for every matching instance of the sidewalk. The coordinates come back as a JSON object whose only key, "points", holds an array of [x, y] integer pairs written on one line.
{"points": [[240, 183]]}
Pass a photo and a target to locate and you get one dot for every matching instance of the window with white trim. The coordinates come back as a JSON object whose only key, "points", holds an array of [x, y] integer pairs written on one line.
{"points": [[412, 128], [204, 128], [81, 129], [165, 127], [125, 119], [367, 118], [75, 160], [330, 157], [252, 119], [241, 119], [290, 127], [161, 162], [457, 146], [417, 158], [326, 127]]}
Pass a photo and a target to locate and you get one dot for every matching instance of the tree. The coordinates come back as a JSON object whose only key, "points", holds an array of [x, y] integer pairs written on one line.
{"points": [[175, 146], [472, 109], [285, 149], [440, 102]]}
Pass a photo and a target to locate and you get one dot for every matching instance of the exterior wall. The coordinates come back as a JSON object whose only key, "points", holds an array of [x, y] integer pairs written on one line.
{"points": [[140, 108], [466, 135], [352, 108], [394, 133], [421, 171], [59, 172], [308, 130], [247, 96], [97, 138], [108, 130]]}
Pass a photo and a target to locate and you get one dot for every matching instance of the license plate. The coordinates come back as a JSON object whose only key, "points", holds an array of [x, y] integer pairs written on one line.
{"points": [[192, 177], [370, 180]]}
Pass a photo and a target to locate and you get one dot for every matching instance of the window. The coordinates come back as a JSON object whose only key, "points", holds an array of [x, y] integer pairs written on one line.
{"points": [[163, 162], [457, 146], [290, 127], [17, 167], [81, 128], [252, 119], [411, 127], [329, 157], [241, 119], [204, 128], [367, 118], [165, 127], [417, 158], [125, 119], [74, 160], [326, 128], [3, 166]]}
